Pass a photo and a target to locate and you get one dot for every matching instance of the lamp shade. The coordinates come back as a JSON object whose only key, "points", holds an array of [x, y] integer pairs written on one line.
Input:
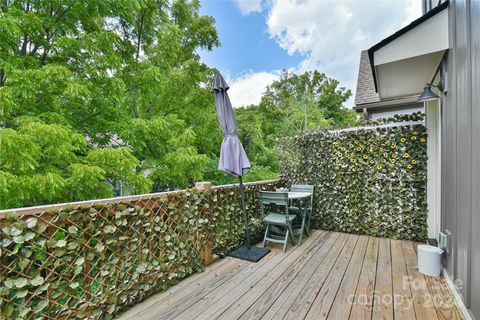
{"points": [[427, 94]]}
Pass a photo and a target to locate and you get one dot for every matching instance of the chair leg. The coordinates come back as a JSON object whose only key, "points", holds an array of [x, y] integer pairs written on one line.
{"points": [[300, 239], [266, 234], [289, 228], [285, 243], [301, 232], [308, 221]]}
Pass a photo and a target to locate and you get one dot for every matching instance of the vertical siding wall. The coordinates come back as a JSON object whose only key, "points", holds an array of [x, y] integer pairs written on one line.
{"points": [[461, 150], [475, 120]]}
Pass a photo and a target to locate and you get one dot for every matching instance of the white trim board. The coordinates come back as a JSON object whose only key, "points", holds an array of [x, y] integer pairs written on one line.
{"points": [[433, 124], [458, 298], [387, 125], [429, 36]]}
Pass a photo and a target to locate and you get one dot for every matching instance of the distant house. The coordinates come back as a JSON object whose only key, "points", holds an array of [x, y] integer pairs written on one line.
{"points": [[120, 188], [433, 65], [393, 73], [368, 101]]}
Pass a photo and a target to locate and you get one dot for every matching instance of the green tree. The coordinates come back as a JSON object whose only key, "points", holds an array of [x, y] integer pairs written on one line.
{"points": [[290, 105], [45, 163], [95, 91], [313, 92]]}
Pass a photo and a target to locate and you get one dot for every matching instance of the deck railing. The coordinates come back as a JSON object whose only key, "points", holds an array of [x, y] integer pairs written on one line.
{"points": [[95, 258]]}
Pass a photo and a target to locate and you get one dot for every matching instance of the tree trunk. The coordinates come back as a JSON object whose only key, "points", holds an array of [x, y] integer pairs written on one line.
{"points": [[43, 57], [137, 57], [23, 51], [139, 34]]}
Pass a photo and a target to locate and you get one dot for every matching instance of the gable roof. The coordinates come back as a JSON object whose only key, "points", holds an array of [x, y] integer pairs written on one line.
{"points": [[400, 32], [365, 92]]}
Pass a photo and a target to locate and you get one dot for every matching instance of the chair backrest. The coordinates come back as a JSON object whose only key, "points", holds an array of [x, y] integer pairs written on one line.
{"points": [[272, 197], [267, 198], [304, 188]]}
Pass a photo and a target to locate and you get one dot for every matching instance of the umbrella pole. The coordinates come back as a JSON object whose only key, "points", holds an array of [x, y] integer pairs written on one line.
{"points": [[245, 215], [247, 252]]}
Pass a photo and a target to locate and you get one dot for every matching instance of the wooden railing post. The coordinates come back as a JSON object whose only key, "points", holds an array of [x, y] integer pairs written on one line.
{"points": [[206, 248]]}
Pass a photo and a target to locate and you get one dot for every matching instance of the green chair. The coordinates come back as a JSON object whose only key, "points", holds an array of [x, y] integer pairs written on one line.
{"points": [[280, 219], [305, 223]]}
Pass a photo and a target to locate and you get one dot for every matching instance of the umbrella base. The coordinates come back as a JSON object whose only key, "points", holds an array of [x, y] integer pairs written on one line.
{"points": [[252, 255]]}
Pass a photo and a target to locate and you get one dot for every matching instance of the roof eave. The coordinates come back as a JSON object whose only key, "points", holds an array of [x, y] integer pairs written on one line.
{"points": [[386, 103], [400, 32]]}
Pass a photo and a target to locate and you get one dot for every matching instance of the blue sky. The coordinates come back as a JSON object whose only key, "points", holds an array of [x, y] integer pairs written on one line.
{"points": [[246, 44], [259, 38]]}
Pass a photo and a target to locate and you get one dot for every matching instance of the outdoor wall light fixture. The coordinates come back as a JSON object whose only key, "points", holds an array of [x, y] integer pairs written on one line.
{"points": [[428, 94]]}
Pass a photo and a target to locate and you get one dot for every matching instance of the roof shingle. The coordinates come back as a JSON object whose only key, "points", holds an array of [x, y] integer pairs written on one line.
{"points": [[365, 86]]}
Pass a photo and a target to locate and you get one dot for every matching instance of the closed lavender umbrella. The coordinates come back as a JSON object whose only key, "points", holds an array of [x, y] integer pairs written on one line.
{"points": [[234, 160]]}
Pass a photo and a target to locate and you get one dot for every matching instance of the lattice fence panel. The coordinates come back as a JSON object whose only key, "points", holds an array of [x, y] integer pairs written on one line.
{"points": [[92, 261]]}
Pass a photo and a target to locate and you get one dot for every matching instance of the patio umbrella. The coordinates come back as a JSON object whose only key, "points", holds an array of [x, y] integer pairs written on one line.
{"points": [[234, 160]]}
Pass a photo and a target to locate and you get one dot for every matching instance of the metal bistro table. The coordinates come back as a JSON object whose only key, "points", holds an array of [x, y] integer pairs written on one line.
{"points": [[301, 198]]}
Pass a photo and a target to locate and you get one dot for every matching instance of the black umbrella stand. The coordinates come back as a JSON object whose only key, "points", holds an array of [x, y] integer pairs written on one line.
{"points": [[247, 252]]}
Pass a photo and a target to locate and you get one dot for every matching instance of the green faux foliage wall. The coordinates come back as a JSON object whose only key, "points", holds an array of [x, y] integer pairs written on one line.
{"points": [[367, 181], [93, 261]]}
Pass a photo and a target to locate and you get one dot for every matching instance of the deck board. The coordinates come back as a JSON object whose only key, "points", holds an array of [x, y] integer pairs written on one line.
{"points": [[304, 300], [422, 299], [331, 275], [445, 305], [262, 279], [179, 295], [342, 305], [382, 302], [403, 296], [323, 302], [257, 302], [363, 300], [284, 303], [238, 284]]}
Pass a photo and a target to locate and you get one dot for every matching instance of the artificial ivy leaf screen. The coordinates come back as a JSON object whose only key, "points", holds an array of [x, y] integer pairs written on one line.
{"points": [[93, 261], [367, 181]]}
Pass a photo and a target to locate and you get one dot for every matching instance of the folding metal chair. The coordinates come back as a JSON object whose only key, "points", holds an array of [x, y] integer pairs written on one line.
{"points": [[281, 218], [306, 216]]}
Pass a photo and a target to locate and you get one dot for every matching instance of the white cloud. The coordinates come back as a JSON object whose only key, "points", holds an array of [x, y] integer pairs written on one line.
{"points": [[248, 88], [330, 34], [249, 6]]}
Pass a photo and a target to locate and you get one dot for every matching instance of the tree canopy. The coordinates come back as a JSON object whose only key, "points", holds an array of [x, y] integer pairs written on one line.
{"points": [[291, 105], [94, 92], [97, 92]]}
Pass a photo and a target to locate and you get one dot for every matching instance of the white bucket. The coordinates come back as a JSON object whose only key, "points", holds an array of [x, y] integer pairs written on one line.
{"points": [[429, 260]]}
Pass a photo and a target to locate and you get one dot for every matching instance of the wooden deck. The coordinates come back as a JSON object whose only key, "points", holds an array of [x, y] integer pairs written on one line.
{"points": [[330, 276]]}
